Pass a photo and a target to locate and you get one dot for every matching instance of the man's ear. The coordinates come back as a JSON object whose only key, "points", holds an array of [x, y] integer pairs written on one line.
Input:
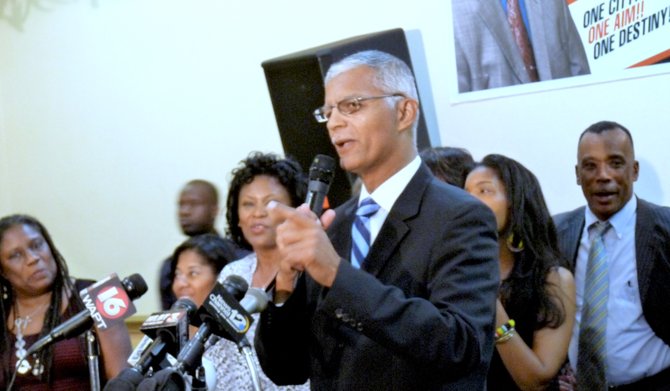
{"points": [[579, 181], [408, 109]]}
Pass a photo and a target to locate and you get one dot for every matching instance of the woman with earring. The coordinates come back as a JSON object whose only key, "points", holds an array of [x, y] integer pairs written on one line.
{"points": [[38, 294], [536, 301], [260, 179]]}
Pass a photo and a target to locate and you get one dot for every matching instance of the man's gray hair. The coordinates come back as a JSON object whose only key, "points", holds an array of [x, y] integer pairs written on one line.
{"points": [[392, 75]]}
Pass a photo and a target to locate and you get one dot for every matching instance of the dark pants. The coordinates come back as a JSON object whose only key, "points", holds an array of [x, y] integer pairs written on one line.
{"points": [[657, 382]]}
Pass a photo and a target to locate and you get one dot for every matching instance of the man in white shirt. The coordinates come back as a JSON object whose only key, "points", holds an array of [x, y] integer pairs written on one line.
{"points": [[636, 354]]}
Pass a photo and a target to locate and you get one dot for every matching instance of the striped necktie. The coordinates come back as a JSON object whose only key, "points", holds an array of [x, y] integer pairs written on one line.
{"points": [[592, 347], [360, 231]]}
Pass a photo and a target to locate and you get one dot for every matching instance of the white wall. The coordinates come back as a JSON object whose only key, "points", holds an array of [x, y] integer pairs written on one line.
{"points": [[108, 106], [4, 174]]}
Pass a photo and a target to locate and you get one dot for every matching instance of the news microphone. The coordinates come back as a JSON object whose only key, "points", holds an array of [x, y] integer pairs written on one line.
{"points": [[169, 331], [256, 300], [106, 305], [236, 286], [321, 174], [224, 297]]}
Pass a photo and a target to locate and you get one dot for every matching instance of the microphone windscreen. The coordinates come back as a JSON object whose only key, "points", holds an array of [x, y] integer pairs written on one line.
{"points": [[135, 286], [322, 169], [256, 300], [236, 286], [184, 303]]}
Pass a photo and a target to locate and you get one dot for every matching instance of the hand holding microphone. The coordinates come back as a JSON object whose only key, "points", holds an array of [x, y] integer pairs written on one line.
{"points": [[321, 174], [302, 242]]}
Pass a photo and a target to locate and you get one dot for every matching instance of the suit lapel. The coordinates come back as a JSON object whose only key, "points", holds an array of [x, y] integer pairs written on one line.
{"points": [[569, 234], [644, 246], [395, 227], [493, 16]]}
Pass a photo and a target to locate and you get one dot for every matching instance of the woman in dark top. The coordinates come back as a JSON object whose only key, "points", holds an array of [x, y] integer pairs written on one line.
{"points": [[36, 295], [536, 301]]}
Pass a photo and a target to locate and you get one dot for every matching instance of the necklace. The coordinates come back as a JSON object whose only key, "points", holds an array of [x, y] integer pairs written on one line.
{"points": [[22, 363]]}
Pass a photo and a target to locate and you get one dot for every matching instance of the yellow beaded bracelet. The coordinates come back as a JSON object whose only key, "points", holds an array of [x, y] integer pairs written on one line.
{"points": [[505, 332]]}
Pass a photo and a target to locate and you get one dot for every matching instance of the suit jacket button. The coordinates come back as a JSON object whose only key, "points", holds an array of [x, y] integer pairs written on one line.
{"points": [[339, 313]]}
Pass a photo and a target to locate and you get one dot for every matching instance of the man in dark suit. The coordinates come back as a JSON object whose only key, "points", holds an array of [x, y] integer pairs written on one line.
{"points": [[417, 312], [637, 254], [488, 54]]}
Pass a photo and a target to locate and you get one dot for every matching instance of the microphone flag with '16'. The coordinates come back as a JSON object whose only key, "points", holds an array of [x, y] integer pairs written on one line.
{"points": [[321, 174], [108, 302]]}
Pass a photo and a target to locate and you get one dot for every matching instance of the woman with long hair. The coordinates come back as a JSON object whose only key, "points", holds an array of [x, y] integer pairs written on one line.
{"points": [[38, 294], [536, 301]]}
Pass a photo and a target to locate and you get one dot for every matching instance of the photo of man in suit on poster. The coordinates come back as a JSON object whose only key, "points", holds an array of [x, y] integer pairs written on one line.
{"points": [[507, 42]]}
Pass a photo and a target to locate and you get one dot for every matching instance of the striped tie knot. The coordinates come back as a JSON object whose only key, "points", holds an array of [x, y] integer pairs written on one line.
{"points": [[367, 208], [360, 231], [599, 228]]}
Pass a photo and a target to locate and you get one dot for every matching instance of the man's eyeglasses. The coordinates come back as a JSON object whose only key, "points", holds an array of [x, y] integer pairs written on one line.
{"points": [[347, 106]]}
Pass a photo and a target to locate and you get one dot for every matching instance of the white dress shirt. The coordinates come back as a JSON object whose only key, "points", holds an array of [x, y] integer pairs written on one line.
{"points": [[633, 350], [386, 195]]}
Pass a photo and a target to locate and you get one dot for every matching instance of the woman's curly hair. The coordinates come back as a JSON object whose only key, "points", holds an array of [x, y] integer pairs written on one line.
{"points": [[286, 170]]}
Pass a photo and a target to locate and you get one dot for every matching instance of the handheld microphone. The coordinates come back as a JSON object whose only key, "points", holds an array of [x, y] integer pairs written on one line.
{"points": [[106, 305], [321, 174]]}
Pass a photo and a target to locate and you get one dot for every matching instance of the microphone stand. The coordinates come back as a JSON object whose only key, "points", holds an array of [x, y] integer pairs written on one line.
{"points": [[245, 349], [92, 353]]}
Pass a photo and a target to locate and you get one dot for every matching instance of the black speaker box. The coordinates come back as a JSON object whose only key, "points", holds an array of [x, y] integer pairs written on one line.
{"points": [[295, 82]]}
